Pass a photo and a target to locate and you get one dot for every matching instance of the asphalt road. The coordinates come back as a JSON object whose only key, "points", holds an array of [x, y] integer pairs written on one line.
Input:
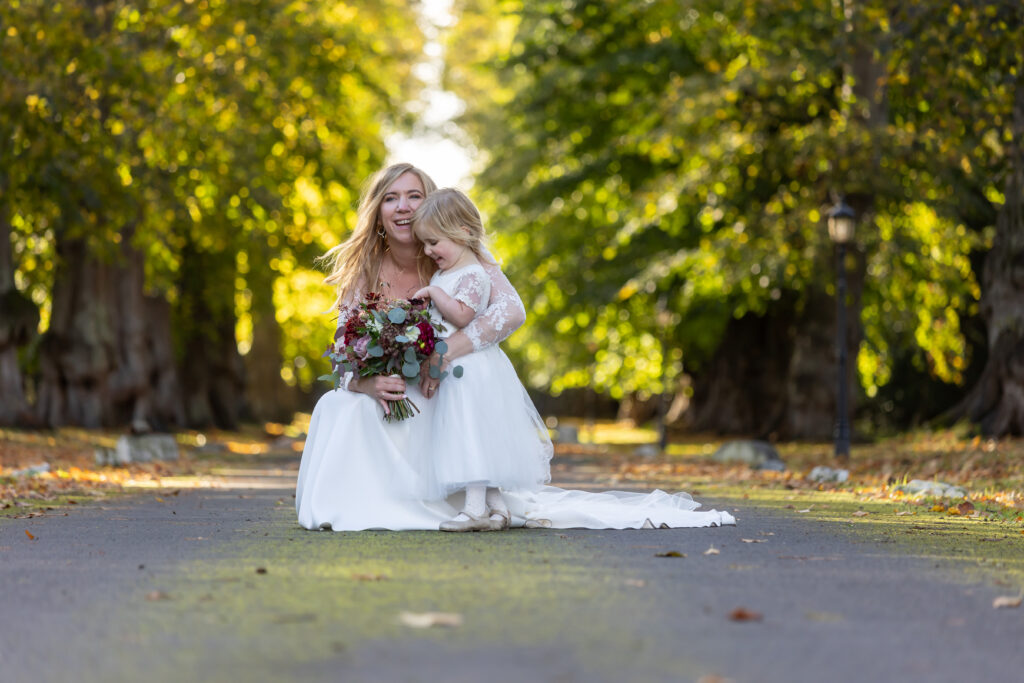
{"points": [[219, 585]]}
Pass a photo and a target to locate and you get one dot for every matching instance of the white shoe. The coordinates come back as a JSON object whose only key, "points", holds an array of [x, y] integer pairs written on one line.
{"points": [[466, 522]]}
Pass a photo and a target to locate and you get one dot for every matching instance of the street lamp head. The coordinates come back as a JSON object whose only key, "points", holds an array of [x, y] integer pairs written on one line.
{"points": [[841, 223]]}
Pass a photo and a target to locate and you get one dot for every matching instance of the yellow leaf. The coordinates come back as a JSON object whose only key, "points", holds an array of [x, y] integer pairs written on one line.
{"points": [[953, 511], [159, 499], [30, 536], [938, 508]]}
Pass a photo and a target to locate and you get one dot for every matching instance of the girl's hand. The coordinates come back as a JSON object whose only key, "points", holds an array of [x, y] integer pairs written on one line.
{"points": [[423, 293], [383, 388], [429, 385]]}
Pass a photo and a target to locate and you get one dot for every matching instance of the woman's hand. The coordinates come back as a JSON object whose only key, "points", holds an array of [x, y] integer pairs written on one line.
{"points": [[429, 385], [383, 388]]}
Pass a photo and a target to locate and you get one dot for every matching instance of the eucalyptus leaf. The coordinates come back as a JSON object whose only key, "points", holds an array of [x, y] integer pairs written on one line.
{"points": [[375, 351], [435, 372], [396, 315], [411, 370], [401, 339], [410, 355], [457, 371], [441, 346]]}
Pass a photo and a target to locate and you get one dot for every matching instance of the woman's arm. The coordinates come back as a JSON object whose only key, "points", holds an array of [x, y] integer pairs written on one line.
{"points": [[382, 388]]}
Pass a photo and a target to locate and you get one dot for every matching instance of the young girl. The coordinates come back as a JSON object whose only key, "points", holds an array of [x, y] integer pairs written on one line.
{"points": [[487, 434]]}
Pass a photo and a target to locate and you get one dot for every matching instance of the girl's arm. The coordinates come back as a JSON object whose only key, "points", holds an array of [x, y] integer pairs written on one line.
{"points": [[503, 316], [454, 311]]}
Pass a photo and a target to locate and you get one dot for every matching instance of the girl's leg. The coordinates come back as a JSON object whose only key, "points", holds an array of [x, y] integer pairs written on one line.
{"points": [[474, 512], [500, 516]]}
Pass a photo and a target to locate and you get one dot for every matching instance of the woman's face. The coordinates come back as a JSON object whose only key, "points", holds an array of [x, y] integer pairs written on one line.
{"points": [[400, 201]]}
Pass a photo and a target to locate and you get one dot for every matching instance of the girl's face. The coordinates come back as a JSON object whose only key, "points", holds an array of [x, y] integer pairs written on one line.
{"points": [[442, 250], [401, 199]]}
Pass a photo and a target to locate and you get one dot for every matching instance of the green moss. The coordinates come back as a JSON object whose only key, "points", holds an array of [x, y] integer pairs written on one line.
{"points": [[320, 595], [987, 548]]}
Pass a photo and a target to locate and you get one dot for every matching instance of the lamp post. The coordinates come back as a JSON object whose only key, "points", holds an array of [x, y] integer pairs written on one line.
{"points": [[841, 224]]}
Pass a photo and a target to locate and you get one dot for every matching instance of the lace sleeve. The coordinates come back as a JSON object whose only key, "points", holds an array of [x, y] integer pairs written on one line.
{"points": [[504, 314], [473, 289]]}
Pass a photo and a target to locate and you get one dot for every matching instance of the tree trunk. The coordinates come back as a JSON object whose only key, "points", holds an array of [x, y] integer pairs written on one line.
{"points": [[19, 320], [268, 397], [996, 402], [103, 360], [213, 374], [743, 389]]}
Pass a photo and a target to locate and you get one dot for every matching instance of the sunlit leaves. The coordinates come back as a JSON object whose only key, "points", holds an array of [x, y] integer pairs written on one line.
{"points": [[653, 162]]}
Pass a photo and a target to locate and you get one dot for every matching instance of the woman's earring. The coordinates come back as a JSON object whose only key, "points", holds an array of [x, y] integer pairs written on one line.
{"points": [[380, 231]]}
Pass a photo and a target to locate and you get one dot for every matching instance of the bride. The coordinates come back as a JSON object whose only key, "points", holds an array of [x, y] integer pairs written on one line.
{"points": [[359, 471]]}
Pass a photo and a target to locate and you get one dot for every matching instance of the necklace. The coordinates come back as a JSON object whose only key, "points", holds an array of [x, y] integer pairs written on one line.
{"points": [[400, 272]]}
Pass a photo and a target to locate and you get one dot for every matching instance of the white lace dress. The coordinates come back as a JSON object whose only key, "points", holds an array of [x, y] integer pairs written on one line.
{"points": [[359, 472], [486, 429]]}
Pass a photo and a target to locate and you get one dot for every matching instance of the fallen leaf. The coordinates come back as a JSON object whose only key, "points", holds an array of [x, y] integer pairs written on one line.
{"points": [[938, 508], [261, 570], [714, 678], [712, 551], [904, 512], [30, 536], [670, 553], [159, 499], [860, 513], [953, 511], [369, 577], [1007, 601], [744, 614], [635, 583], [802, 511], [428, 619], [753, 540], [153, 596]]}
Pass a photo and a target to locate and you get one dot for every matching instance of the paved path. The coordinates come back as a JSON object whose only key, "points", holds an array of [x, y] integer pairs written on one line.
{"points": [[221, 585]]}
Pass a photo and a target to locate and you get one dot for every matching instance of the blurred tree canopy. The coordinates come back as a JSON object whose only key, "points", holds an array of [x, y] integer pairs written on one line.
{"points": [[168, 172], [660, 171], [656, 172]]}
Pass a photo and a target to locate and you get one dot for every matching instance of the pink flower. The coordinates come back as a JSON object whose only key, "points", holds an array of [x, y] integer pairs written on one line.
{"points": [[361, 346]]}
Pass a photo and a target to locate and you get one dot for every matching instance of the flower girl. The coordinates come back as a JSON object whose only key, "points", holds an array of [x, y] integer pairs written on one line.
{"points": [[488, 435]]}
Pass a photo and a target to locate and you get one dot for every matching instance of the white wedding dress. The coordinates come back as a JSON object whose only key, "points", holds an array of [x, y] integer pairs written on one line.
{"points": [[360, 472]]}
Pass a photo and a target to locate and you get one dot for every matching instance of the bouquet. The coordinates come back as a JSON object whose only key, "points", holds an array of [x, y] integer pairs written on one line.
{"points": [[383, 337]]}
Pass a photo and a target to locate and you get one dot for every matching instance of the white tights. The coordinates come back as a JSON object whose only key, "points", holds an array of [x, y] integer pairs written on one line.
{"points": [[481, 498]]}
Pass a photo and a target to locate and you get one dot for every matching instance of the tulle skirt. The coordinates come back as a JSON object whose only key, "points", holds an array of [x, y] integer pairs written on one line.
{"points": [[486, 431]]}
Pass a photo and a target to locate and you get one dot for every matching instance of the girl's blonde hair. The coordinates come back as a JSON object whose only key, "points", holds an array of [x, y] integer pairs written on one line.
{"points": [[451, 214], [356, 262]]}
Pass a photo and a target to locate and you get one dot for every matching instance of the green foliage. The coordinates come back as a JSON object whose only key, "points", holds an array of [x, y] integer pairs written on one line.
{"points": [[236, 129], [656, 168]]}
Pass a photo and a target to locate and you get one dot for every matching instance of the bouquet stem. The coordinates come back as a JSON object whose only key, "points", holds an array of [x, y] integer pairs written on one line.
{"points": [[400, 410]]}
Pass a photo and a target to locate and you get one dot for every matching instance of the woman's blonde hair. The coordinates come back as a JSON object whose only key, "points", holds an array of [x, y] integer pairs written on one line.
{"points": [[356, 262], [451, 214]]}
